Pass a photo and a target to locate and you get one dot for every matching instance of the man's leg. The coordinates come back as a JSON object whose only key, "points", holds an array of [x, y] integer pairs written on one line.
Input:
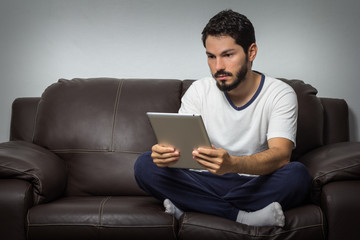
{"points": [[187, 190], [289, 185], [222, 195]]}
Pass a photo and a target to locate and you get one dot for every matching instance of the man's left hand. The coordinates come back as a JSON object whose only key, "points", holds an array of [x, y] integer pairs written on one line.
{"points": [[215, 160]]}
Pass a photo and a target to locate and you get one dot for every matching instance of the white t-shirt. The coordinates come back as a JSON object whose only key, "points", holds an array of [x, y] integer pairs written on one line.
{"points": [[272, 112]]}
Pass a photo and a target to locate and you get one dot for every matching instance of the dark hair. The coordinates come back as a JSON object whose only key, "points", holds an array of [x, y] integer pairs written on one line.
{"points": [[233, 24]]}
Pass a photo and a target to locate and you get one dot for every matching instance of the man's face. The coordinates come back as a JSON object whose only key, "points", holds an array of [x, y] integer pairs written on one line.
{"points": [[227, 61]]}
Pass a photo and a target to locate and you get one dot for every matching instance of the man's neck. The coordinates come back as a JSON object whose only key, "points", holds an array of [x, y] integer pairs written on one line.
{"points": [[246, 89]]}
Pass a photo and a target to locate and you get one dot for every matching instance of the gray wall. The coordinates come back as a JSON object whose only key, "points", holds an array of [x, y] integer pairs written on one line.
{"points": [[44, 40]]}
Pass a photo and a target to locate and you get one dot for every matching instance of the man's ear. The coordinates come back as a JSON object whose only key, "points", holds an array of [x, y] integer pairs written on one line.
{"points": [[252, 52]]}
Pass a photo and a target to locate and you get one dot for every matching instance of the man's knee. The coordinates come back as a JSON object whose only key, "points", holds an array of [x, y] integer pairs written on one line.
{"points": [[142, 164], [298, 184], [298, 170]]}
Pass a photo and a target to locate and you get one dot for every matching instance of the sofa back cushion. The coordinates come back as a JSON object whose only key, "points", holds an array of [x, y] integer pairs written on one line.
{"points": [[99, 127]]}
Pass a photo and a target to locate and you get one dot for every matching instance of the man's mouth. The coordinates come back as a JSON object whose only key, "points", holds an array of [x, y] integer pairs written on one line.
{"points": [[222, 78], [222, 75]]}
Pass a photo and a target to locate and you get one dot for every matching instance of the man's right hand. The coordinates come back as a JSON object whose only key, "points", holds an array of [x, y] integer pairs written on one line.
{"points": [[164, 155]]}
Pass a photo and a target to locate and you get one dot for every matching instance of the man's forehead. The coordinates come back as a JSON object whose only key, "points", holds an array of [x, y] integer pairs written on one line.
{"points": [[220, 44]]}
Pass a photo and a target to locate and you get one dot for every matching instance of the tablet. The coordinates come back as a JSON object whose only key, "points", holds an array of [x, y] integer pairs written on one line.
{"points": [[185, 132]]}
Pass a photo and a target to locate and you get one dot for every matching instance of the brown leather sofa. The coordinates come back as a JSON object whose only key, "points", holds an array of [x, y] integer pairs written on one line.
{"points": [[67, 171]]}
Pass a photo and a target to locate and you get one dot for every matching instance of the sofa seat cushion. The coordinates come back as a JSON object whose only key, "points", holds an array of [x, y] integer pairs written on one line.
{"points": [[306, 222], [101, 218]]}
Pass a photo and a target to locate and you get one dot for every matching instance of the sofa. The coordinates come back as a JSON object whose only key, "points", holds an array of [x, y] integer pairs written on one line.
{"points": [[67, 170]]}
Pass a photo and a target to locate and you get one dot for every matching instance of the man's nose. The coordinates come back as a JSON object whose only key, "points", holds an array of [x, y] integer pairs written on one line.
{"points": [[219, 64]]}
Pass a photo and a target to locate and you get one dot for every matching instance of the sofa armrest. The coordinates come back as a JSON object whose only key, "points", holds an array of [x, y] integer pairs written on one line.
{"points": [[331, 163], [16, 197], [26, 161], [340, 204]]}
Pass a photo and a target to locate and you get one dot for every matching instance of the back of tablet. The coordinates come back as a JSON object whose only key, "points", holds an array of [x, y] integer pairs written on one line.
{"points": [[185, 132]]}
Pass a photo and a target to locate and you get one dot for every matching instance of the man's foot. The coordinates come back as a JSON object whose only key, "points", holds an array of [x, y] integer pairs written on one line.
{"points": [[271, 215], [170, 208]]}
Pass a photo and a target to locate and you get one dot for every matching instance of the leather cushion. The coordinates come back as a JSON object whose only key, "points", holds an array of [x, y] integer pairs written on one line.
{"points": [[103, 114], [23, 117], [101, 173], [16, 198], [330, 163], [99, 127], [101, 218], [32, 163], [305, 222], [340, 203]]}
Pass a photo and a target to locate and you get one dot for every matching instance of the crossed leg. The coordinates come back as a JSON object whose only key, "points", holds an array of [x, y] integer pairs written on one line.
{"points": [[254, 201]]}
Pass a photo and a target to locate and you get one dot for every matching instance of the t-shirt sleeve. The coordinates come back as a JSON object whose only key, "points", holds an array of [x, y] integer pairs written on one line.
{"points": [[283, 120], [191, 101]]}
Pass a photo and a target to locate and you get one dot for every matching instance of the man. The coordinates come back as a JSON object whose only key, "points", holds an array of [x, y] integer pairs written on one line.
{"points": [[251, 122]]}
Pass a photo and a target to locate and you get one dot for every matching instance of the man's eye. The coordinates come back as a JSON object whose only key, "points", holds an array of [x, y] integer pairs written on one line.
{"points": [[228, 55], [211, 57]]}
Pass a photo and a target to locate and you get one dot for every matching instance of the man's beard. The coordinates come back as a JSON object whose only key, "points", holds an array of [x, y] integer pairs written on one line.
{"points": [[240, 77]]}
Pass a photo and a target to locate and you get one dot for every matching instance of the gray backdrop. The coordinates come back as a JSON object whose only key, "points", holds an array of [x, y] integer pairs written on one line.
{"points": [[44, 40]]}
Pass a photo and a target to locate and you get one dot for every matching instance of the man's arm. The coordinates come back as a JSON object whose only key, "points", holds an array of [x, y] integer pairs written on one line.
{"points": [[218, 161]]}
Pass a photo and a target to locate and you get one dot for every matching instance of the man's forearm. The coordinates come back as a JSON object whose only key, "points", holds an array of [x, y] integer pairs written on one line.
{"points": [[218, 161], [261, 163]]}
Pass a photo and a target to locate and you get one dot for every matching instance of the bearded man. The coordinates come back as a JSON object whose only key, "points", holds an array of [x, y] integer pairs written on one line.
{"points": [[251, 120]]}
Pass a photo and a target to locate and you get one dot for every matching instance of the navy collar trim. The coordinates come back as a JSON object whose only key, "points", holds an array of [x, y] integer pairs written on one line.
{"points": [[251, 100]]}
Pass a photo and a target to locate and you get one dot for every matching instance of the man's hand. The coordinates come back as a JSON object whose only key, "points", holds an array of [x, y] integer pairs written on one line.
{"points": [[164, 155], [215, 160]]}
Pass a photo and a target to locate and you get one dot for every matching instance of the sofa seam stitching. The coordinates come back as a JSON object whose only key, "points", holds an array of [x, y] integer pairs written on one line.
{"points": [[322, 222], [97, 225], [36, 120], [295, 229], [117, 100], [101, 210], [173, 227], [90, 151], [182, 224], [28, 224], [257, 235], [335, 170]]}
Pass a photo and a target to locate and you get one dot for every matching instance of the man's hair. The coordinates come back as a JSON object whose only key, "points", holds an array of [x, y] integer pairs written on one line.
{"points": [[233, 24]]}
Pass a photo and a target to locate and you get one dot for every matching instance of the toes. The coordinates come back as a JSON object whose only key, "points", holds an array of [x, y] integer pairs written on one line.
{"points": [[279, 214], [168, 206], [277, 206]]}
